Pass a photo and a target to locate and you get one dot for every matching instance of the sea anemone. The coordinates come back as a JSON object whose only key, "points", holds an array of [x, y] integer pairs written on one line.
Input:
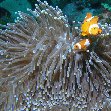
{"points": [[39, 69]]}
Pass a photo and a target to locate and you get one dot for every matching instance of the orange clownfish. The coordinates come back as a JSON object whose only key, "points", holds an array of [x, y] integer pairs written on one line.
{"points": [[90, 25], [82, 45]]}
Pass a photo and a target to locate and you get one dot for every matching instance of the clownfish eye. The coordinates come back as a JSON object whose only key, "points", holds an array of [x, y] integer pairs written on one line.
{"points": [[76, 46]]}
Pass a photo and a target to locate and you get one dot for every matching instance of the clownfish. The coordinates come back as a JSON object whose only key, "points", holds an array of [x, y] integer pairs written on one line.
{"points": [[82, 45], [90, 25]]}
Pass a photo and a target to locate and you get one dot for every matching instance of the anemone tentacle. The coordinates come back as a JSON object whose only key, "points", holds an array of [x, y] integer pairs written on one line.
{"points": [[40, 70]]}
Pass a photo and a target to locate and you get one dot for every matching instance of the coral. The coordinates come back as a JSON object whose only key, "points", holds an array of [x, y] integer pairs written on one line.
{"points": [[39, 69]]}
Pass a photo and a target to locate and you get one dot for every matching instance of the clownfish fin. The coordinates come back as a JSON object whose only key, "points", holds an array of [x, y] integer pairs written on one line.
{"points": [[85, 48], [88, 15], [83, 34], [94, 20], [100, 31]]}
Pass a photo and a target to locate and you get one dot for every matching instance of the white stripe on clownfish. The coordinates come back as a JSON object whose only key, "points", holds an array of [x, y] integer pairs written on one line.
{"points": [[79, 45], [87, 43], [89, 19], [92, 26]]}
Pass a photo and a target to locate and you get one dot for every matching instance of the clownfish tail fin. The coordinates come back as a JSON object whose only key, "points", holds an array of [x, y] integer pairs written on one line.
{"points": [[100, 31]]}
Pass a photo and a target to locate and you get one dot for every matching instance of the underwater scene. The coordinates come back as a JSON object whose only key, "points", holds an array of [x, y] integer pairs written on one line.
{"points": [[55, 55]]}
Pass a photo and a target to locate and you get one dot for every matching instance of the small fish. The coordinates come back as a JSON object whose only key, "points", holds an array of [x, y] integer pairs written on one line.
{"points": [[82, 44], [90, 25]]}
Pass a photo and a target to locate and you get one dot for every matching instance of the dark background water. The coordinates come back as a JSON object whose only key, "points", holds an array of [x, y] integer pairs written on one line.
{"points": [[74, 9]]}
